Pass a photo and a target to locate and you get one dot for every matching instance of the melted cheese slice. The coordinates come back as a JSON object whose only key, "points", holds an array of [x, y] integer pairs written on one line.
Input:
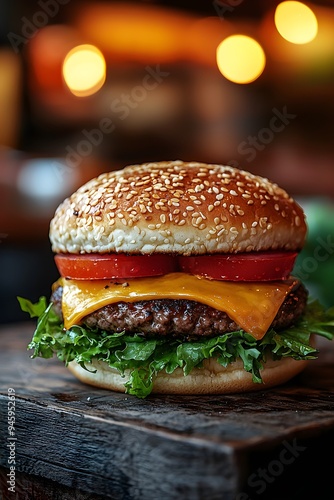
{"points": [[253, 306]]}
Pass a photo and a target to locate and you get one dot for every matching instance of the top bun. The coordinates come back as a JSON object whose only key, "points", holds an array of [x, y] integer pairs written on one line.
{"points": [[187, 208]]}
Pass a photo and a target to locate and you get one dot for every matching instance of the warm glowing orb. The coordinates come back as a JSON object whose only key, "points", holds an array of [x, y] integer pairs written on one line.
{"points": [[84, 70], [240, 58], [296, 22]]}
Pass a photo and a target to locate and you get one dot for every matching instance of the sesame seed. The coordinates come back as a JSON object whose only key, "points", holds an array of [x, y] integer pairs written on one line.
{"points": [[263, 222], [210, 208]]}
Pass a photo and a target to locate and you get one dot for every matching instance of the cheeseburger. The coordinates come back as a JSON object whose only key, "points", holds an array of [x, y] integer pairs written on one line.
{"points": [[176, 277]]}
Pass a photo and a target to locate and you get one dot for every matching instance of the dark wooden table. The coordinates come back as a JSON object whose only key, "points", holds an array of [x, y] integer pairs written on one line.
{"points": [[78, 442]]}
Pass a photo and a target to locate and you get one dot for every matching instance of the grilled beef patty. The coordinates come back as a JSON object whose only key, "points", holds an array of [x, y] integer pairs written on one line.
{"points": [[185, 319]]}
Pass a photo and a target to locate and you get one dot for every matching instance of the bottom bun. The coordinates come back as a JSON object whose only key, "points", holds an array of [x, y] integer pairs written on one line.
{"points": [[212, 378]]}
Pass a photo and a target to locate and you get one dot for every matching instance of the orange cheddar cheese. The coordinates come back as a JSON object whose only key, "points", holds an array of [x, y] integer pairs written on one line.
{"points": [[252, 305]]}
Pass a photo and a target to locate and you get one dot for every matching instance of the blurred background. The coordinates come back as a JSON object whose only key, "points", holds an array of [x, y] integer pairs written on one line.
{"points": [[91, 86]]}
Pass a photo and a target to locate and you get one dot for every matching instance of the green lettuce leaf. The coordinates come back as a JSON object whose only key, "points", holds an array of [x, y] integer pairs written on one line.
{"points": [[144, 358]]}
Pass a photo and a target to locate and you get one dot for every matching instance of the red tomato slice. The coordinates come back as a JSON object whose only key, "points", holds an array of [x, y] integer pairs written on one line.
{"points": [[253, 266], [98, 266]]}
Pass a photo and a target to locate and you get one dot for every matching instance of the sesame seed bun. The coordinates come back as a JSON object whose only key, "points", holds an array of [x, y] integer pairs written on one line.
{"points": [[212, 378], [186, 208]]}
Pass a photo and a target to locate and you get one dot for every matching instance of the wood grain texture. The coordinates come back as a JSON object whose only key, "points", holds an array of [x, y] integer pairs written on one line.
{"points": [[100, 443]]}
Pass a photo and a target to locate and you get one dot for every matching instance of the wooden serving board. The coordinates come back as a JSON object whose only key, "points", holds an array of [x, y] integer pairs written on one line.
{"points": [[78, 442]]}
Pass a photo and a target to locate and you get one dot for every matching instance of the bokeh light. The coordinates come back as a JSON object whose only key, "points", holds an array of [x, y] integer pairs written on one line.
{"points": [[296, 22], [84, 70], [240, 58]]}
